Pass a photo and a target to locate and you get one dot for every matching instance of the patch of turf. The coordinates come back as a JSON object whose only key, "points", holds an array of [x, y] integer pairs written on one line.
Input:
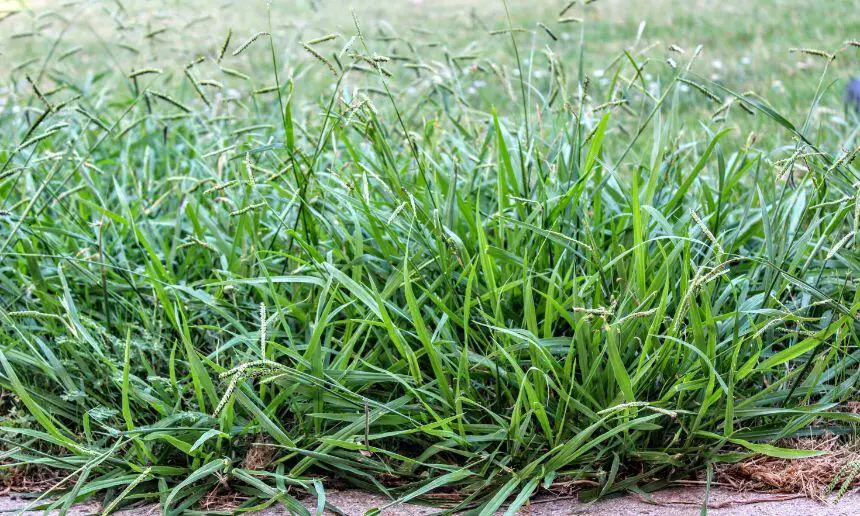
{"points": [[253, 262]]}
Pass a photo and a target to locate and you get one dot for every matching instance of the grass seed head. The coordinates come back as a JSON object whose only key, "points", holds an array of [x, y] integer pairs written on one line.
{"points": [[170, 100], [322, 39], [701, 89], [225, 45], [144, 71], [249, 42], [320, 58], [813, 52], [548, 31], [566, 8]]}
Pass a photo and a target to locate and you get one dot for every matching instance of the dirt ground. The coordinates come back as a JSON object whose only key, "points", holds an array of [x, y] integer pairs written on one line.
{"points": [[670, 502]]}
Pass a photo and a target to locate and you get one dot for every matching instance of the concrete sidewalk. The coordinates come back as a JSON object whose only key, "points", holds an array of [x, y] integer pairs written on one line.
{"points": [[669, 502], [679, 501]]}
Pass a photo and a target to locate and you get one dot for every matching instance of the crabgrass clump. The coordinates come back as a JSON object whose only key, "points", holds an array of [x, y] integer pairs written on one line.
{"points": [[481, 270]]}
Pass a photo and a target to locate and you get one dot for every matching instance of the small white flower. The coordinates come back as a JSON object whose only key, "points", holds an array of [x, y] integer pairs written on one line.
{"points": [[597, 73], [684, 88], [778, 86], [746, 60], [653, 88], [717, 64]]}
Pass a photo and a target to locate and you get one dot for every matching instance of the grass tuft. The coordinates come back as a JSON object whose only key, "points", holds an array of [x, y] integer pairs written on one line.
{"points": [[457, 272]]}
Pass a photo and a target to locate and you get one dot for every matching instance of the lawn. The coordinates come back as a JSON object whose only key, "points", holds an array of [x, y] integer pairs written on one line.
{"points": [[459, 253]]}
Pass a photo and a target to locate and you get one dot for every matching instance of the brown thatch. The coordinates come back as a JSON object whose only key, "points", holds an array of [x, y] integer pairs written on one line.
{"points": [[815, 477]]}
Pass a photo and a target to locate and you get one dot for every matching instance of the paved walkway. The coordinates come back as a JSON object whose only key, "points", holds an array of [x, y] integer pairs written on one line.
{"points": [[670, 502]]}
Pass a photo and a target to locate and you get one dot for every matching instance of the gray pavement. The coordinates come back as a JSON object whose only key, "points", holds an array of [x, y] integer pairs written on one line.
{"points": [[679, 501]]}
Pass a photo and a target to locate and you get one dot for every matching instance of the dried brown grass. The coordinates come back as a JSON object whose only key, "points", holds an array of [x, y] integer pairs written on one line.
{"points": [[814, 476], [260, 454], [222, 499], [31, 479]]}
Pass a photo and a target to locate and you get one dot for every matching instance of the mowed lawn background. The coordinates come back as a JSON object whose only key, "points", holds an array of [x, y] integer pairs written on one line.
{"points": [[746, 46], [460, 253]]}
